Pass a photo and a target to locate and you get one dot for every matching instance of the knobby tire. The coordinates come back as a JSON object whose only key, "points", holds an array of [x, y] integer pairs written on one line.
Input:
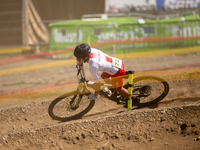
{"points": [[63, 104], [158, 84]]}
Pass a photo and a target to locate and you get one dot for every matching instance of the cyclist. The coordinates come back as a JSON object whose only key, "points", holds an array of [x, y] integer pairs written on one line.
{"points": [[110, 66]]}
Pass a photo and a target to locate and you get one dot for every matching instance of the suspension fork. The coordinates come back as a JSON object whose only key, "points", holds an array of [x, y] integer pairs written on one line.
{"points": [[74, 107]]}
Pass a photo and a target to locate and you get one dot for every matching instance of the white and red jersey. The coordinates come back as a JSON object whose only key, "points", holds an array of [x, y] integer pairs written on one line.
{"points": [[100, 61]]}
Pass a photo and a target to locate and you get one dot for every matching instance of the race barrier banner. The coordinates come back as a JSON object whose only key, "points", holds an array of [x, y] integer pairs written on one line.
{"points": [[126, 32]]}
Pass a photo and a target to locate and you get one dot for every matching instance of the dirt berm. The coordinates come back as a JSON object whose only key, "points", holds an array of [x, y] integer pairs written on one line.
{"points": [[161, 128], [172, 124]]}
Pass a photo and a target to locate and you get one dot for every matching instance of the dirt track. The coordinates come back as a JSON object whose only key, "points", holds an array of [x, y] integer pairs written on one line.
{"points": [[158, 127]]}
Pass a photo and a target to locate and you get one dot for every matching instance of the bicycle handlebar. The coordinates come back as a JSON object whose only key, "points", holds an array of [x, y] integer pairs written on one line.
{"points": [[79, 71]]}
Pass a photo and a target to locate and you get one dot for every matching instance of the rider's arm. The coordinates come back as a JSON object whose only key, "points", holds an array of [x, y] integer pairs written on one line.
{"points": [[97, 88], [96, 93], [94, 71]]}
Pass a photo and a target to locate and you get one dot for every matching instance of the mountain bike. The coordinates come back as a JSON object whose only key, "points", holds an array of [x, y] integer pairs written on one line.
{"points": [[73, 105]]}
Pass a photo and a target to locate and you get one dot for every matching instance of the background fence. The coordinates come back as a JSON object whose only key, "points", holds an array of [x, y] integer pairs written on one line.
{"points": [[128, 37]]}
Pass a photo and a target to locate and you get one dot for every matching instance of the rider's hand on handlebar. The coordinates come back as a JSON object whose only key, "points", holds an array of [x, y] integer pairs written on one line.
{"points": [[91, 97]]}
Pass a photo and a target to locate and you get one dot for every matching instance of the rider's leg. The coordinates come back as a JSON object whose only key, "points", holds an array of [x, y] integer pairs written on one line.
{"points": [[120, 89], [124, 92]]}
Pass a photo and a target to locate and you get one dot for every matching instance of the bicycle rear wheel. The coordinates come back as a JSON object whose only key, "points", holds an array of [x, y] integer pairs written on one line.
{"points": [[151, 89], [64, 107]]}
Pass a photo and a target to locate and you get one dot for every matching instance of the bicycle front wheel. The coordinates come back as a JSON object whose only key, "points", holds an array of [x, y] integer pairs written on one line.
{"points": [[151, 89], [70, 107]]}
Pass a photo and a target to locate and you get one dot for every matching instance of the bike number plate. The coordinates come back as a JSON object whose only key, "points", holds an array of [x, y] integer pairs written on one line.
{"points": [[117, 62]]}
